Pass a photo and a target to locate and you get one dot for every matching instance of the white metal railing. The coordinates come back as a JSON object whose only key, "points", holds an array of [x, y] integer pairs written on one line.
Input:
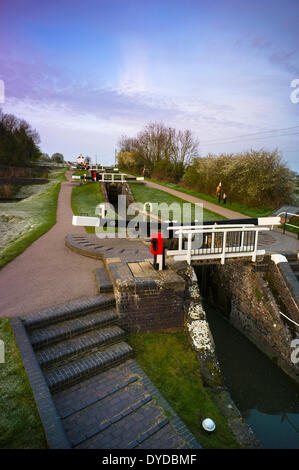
{"points": [[285, 218], [110, 177], [102, 168], [216, 241]]}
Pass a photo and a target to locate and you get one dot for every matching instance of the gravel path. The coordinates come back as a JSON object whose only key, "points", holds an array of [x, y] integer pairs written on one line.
{"points": [[47, 273]]}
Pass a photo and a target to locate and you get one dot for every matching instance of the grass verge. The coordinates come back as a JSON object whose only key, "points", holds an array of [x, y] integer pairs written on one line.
{"points": [[144, 194], [40, 211], [294, 221], [84, 200], [20, 424], [81, 173], [172, 366], [234, 206]]}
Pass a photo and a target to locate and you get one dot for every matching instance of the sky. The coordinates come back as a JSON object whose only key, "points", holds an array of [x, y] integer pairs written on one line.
{"points": [[84, 73]]}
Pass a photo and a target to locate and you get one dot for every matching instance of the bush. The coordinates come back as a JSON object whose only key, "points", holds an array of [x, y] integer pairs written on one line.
{"points": [[253, 178]]}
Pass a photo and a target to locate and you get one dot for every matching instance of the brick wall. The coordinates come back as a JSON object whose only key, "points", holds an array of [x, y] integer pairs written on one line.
{"points": [[146, 306], [249, 304], [126, 191], [288, 305]]}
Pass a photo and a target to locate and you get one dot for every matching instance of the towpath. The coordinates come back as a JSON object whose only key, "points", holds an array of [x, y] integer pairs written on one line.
{"points": [[276, 242], [47, 273], [229, 214]]}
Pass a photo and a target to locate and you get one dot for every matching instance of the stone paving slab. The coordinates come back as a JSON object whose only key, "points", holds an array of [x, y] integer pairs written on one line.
{"points": [[277, 242], [143, 269]]}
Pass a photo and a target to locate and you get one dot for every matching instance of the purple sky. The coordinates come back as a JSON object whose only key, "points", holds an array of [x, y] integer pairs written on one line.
{"points": [[85, 72]]}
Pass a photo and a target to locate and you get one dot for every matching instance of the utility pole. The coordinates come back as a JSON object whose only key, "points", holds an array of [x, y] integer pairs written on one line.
{"points": [[115, 157]]}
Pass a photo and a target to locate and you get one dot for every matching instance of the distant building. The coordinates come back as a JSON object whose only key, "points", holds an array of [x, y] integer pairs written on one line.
{"points": [[80, 160]]}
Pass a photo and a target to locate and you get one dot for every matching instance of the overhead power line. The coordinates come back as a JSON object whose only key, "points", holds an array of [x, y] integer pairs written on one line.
{"points": [[254, 136], [249, 138]]}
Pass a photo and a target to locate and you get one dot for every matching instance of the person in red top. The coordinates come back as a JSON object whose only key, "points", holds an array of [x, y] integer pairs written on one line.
{"points": [[218, 192]]}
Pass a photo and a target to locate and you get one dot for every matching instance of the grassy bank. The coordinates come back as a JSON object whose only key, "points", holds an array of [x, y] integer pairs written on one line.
{"points": [[84, 200], [294, 221], [81, 173], [144, 194], [234, 206], [25, 221], [20, 425], [174, 369]]}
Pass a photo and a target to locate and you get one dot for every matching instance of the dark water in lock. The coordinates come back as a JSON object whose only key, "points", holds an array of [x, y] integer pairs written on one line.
{"points": [[267, 398], [12, 200]]}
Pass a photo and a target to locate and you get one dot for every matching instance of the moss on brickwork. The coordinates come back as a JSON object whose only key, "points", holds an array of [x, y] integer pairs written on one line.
{"points": [[258, 294]]}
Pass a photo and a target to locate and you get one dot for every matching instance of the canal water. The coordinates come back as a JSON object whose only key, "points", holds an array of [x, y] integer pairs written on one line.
{"points": [[267, 398]]}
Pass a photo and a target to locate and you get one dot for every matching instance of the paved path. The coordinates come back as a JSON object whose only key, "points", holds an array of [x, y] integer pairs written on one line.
{"points": [[47, 273]]}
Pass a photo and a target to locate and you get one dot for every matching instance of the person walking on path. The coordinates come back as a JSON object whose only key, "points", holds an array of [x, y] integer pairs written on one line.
{"points": [[218, 192], [224, 198]]}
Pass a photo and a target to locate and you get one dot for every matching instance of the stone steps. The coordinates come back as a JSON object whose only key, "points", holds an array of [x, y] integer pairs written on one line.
{"points": [[64, 330], [109, 421], [117, 410], [75, 371], [99, 397], [69, 311], [78, 346]]}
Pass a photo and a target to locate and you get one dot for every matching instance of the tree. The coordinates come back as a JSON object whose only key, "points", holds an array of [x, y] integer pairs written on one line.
{"points": [[159, 149], [256, 178], [57, 158], [18, 141], [45, 157]]}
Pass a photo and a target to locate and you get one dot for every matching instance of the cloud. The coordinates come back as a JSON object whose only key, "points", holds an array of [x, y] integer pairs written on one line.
{"points": [[287, 59], [54, 88], [260, 43], [81, 112]]}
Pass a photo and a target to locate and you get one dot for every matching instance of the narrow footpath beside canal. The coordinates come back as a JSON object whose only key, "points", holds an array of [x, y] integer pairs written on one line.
{"points": [[267, 398]]}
